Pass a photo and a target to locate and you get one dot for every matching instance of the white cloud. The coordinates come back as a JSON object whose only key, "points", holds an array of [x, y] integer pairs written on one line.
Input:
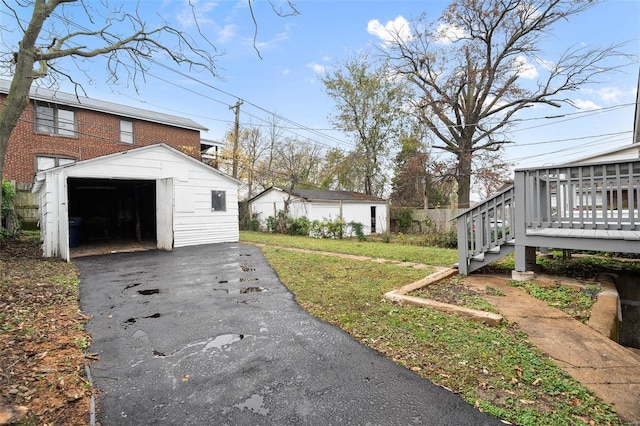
{"points": [[392, 30], [317, 68], [286, 71], [269, 44], [447, 34], [189, 14], [585, 105], [610, 95], [546, 64], [525, 68], [227, 33]]}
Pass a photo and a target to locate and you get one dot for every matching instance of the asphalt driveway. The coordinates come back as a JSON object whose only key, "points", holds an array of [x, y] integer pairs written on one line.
{"points": [[208, 335]]}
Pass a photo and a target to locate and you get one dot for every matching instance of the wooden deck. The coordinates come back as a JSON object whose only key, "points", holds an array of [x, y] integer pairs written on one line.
{"points": [[590, 207]]}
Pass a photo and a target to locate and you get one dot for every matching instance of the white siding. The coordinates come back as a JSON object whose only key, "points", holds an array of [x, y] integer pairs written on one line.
{"points": [[628, 153], [200, 224], [352, 211], [193, 220]]}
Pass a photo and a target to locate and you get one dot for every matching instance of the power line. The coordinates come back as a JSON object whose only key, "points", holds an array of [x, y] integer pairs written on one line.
{"points": [[318, 133], [190, 77]]}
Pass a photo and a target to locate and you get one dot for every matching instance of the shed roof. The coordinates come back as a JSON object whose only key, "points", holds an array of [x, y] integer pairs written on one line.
{"points": [[40, 176], [322, 195], [72, 100]]}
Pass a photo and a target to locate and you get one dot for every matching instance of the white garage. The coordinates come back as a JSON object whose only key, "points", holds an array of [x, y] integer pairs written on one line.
{"points": [[370, 211], [153, 193]]}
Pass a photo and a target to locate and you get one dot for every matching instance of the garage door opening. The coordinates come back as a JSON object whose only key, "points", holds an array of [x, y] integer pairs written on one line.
{"points": [[108, 214]]}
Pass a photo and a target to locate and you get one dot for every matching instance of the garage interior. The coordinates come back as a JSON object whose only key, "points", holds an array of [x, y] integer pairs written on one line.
{"points": [[107, 215]]}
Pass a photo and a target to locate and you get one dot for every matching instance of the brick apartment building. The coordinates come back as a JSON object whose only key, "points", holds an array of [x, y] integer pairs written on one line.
{"points": [[60, 128]]}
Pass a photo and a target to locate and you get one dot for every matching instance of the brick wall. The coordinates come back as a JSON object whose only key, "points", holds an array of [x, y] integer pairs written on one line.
{"points": [[97, 134]]}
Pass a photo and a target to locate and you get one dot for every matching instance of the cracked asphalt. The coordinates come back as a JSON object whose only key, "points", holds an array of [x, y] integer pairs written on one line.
{"points": [[209, 335]]}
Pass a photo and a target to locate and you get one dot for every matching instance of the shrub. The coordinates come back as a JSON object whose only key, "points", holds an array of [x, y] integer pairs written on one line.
{"points": [[254, 225], [336, 228], [271, 224], [357, 228], [9, 224], [298, 226], [404, 220]]}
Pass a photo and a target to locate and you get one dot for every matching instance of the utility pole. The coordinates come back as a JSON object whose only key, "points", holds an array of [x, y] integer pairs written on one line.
{"points": [[236, 131]]}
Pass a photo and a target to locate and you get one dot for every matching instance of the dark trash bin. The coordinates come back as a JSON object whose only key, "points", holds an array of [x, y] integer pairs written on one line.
{"points": [[74, 231]]}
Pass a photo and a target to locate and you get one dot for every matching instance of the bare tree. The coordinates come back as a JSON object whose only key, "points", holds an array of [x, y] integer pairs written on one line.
{"points": [[298, 163], [468, 71], [52, 37], [490, 173], [265, 173]]}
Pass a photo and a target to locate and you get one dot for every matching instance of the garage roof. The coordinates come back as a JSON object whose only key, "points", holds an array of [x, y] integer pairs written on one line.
{"points": [[68, 99], [322, 195], [40, 176]]}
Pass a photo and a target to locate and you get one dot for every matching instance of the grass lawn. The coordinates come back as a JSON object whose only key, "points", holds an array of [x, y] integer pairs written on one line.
{"points": [[495, 369], [391, 251]]}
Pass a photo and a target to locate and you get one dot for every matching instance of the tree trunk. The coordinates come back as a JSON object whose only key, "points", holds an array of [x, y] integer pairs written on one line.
{"points": [[464, 179], [18, 98]]}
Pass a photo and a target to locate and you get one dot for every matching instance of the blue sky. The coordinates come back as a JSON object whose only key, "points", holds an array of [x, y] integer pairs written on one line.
{"points": [[296, 49]]}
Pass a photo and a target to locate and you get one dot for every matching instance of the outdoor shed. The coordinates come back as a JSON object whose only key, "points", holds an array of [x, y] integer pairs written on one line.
{"points": [[153, 193], [371, 212]]}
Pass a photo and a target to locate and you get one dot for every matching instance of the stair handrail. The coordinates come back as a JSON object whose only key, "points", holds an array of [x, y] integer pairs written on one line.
{"points": [[485, 227]]}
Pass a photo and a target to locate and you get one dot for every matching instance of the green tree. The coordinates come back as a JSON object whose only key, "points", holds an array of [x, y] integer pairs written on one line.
{"points": [[369, 104], [468, 71], [342, 171], [420, 180]]}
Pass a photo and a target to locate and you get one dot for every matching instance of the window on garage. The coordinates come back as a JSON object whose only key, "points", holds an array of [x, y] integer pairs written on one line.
{"points": [[218, 201]]}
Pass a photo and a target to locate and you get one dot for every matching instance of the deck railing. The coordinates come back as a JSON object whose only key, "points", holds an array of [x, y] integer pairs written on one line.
{"points": [[594, 196], [485, 228], [590, 206]]}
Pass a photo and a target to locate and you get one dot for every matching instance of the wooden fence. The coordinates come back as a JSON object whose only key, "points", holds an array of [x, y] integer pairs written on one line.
{"points": [[421, 221]]}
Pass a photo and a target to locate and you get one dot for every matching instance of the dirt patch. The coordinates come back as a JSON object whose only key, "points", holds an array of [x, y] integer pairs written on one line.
{"points": [[451, 291], [42, 362]]}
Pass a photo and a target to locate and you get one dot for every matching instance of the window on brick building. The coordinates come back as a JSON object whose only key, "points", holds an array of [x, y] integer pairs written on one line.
{"points": [[44, 162], [54, 120], [126, 131], [218, 201]]}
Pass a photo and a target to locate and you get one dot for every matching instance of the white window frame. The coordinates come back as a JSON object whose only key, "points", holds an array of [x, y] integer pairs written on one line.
{"points": [[52, 120], [126, 131], [217, 198], [57, 161]]}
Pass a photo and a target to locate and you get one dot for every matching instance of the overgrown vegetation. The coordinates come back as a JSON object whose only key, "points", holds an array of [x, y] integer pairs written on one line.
{"points": [[9, 225], [572, 301], [579, 266], [42, 338], [302, 226], [495, 369]]}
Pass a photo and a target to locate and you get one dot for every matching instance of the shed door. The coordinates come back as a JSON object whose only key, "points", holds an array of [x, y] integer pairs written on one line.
{"points": [[164, 213], [373, 219]]}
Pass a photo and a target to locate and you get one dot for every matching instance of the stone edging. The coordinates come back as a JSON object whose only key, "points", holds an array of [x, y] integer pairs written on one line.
{"points": [[400, 296]]}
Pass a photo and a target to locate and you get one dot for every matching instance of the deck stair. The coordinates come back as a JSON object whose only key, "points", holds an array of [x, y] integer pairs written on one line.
{"points": [[594, 206], [485, 232]]}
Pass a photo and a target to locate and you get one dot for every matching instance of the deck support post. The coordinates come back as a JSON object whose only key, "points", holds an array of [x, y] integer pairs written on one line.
{"points": [[463, 245], [525, 256]]}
